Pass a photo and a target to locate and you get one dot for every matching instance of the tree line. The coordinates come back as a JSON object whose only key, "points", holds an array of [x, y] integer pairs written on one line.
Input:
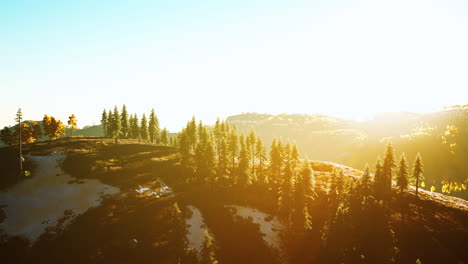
{"points": [[24, 133], [120, 124]]}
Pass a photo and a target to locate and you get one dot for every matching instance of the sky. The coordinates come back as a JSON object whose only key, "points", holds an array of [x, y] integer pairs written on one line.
{"points": [[214, 58]]}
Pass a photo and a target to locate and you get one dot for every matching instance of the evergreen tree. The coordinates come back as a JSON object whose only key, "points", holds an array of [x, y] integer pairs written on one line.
{"points": [[336, 185], [365, 182], [185, 150], [125, 122], [387, 167], [261, 157], [144, 128], [378, 179], [134, 127], [164, 137], [285, 198], [104, 122], [110, 121], [205, 156], [207, 253], [294, 156], [303, 197], [153, 127], [192, 132], [276, 162], [402, 176], [243, 167], [233, 148], [116, 125], [223, 157], [417, 171], [251, 140]]}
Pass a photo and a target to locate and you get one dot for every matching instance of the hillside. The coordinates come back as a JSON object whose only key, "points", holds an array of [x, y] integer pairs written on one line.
{"points": [[441, 137], [148, 221]]}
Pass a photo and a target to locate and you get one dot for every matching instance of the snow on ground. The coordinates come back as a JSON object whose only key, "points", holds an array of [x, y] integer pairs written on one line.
{"points": [[271, 229], [196, 229], [36, 204]]}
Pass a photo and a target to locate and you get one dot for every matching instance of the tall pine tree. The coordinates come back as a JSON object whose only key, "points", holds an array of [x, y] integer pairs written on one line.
{"points": [[144, 128], [418, 171], [125, 122], [402, 176], [153, 127]]}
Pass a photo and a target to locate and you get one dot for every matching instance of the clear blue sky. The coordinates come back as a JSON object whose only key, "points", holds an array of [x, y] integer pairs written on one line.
{"points": [[217, 58]]}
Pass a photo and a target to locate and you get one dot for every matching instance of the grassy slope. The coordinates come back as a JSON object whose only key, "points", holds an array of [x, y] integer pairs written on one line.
{"points": [[434, 230]]}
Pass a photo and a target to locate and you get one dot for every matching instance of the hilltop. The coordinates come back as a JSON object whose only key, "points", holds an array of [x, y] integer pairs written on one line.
{"points": [[141, 223]]}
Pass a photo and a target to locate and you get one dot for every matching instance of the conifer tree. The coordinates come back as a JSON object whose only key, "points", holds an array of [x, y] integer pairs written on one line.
{"points": [[116, 125], [134, 127], [164, 137], [402, 176], [110, 118], [153, 127], [387, 167], [192, 132], [223, 157], [233, 148], [285, 197], [144, 128], [251, 140], [378, 179], [365, 182], [207, 253], [261, 157], [19, 117], [125, 122], [243, 167], [205, 156], [294, 156], [417, 171], [336, 185], [104, 122], [185, 150], [303, 197], [276, 161]]}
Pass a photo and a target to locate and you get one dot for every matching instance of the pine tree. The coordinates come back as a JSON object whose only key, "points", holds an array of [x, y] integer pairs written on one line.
{"points": [[251, 140], [116, 125], [417, 171], [125, 122], [153, 127], [243, 167], [336, 185], [378, 178], [185, 150], [164, 137], [294, 156], [233, 148], [365, 182], [387, 167], [134, 127], [104, 122], [261, 157], [207, 253], [303, 197], [144, 128], [285, 193], [110, 118], [276, 161], [402, 176], [192, 132], [223, 157]]}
